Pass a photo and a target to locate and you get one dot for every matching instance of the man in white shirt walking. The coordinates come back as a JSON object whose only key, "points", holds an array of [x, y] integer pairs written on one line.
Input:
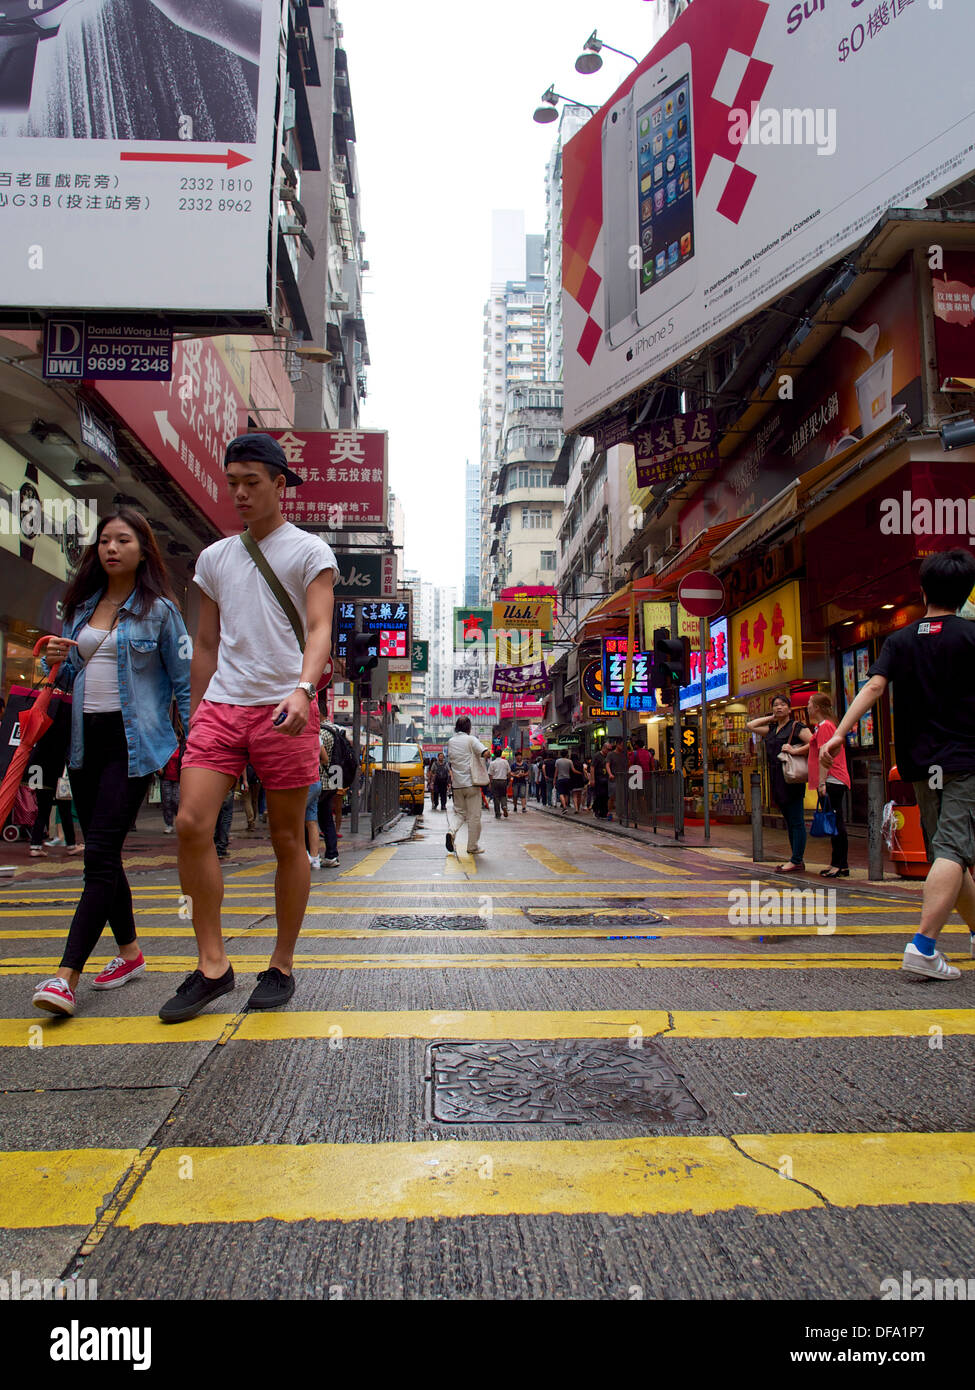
{"points": [[499, 771], [462, 750], [252, 700]]}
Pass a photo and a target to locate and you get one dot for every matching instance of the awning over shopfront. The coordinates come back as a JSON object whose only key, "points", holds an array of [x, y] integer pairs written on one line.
{"points": [[782, 507], [696, 555]]}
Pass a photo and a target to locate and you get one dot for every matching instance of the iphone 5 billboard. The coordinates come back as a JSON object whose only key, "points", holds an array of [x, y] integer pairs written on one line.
{"points": [[756, 143]]}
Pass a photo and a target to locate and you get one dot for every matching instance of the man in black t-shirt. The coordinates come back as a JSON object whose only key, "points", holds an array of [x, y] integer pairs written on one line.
{"points": [[548, 771], [932, 667]]}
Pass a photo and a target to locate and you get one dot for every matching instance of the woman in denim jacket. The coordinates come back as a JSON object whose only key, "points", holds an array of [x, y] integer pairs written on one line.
{"points": [[125, 654]]}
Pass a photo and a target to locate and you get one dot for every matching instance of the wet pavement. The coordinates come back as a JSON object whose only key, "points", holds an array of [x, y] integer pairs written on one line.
{"points": [[569, 1067]]}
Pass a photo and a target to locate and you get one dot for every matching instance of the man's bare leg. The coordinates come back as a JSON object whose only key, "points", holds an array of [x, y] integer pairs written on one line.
{"points": [[292, 882], [943, 889], [201, 794]]}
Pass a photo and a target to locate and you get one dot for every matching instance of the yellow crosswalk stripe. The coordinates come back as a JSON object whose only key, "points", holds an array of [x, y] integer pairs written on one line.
{"points": [[641, 859], [489, 1025], [621, 931], [372, 863], [575, 960], [462, 1177], [550, 861], [59, 1187]]}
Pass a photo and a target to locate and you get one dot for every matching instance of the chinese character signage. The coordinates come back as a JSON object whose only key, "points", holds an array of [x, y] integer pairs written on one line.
{"points": [[678, 444], [136, 156], [766, 642], [716, 666], [514, 707], [521, 680], [388, 623], [399, 683], [642, 696], [345, 477], [953, 288], [658, 615], [186, 423], [419, 655]]}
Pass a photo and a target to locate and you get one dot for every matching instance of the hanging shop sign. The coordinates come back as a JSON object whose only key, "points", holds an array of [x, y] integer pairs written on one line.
{"points": [[641, 695], [679, 444], [345, 473], [419, 654], [716, 666], [766, 641]]}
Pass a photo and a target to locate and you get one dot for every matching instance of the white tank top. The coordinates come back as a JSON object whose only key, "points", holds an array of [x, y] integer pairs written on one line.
{"points": [[101, 673]]}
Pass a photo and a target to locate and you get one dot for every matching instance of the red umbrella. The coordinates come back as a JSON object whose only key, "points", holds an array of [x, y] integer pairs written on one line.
{"points": [[34, 724]]}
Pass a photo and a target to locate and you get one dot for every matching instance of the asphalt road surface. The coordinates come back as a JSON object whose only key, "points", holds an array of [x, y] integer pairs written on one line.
{"points": [[556, 1071]]}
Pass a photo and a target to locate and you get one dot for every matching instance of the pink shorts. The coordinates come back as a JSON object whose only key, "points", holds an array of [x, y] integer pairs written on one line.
{"points": [[224, 738]]}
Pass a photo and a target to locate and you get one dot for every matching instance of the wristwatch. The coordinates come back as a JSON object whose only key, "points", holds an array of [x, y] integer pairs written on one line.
{"points": [[22, 27], [308, 688]]}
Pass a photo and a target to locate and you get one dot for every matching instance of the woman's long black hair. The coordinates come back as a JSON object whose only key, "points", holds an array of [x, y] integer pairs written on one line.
{"points": [[151, 577]]}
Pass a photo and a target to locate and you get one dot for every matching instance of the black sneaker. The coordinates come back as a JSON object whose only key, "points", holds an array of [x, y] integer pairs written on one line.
{"points": [[194, 994], [273, 989], [450, 842]]}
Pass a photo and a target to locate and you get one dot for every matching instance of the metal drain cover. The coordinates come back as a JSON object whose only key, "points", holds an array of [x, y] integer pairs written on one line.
{"points": [[569, 1083], [591, 916], [428, 923]]}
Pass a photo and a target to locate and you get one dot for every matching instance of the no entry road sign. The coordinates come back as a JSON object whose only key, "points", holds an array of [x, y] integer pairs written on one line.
{"points": [[702, 594]]}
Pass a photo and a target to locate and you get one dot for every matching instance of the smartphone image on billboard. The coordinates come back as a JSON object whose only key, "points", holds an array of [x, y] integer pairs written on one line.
{"points": [[662, 184], [619, 279]]}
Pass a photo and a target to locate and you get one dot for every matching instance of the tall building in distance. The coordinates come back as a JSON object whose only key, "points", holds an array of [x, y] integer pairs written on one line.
{"points": [[472, 534], [513, 352]]}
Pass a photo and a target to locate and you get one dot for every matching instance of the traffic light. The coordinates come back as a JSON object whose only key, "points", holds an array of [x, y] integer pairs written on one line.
{"points": [[671, 660], [361, 661]]}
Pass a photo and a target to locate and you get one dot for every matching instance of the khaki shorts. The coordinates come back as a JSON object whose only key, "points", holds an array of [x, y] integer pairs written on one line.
{"points": [[948, 818]]}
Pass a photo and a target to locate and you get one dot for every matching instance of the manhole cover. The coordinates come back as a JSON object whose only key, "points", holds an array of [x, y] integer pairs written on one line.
{"points": [[428, 923], [569, 1083], [591, 916]]}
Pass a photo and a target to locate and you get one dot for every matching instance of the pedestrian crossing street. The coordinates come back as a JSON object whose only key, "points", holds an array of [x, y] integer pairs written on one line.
{"points": [[796, 1041]]}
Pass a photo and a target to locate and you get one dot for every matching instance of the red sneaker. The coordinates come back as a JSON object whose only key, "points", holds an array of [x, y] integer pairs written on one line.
{"points": [[118, 972], [55, 997]]}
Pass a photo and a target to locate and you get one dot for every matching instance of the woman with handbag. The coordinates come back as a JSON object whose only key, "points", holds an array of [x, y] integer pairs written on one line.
{"points": [[468, 772], [781, 734], [124, 654], [828, 820]]}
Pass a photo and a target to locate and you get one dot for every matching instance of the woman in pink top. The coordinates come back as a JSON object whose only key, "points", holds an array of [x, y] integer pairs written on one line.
{"points": [[831, 784]]}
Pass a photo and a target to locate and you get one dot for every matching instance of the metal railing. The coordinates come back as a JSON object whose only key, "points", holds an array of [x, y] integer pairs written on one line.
{"points": [[652, 800], [383, 800]]}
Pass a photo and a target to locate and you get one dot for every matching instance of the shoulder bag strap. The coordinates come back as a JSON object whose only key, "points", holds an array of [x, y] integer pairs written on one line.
{"points": [[276, 587]]}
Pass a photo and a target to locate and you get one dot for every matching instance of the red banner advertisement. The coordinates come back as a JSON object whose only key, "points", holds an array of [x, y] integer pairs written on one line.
{"points": [[953, 291], [186, 423], [345, 474]]}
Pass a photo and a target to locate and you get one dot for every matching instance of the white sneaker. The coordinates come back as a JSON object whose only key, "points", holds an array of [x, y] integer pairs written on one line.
{"points": [[315, 863], [167, 830], [330, 863], [56, 841], [934, 967]]}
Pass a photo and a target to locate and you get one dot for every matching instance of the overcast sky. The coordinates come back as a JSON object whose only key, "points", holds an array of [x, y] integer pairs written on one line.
{"points": [[443, 93]]}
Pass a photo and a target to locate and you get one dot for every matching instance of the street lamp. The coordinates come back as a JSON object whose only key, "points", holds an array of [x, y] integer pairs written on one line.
{"points": [[544, 115], [589, 60]]}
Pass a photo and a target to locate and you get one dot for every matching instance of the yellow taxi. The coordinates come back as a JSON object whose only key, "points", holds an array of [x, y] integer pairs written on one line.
{"points": [[405, 759]]}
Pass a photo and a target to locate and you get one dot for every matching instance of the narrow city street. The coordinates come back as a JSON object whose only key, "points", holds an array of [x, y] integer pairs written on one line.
{"points": [[555, 1070]]}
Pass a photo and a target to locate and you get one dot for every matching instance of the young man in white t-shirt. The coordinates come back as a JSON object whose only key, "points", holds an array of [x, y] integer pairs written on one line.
{"points": [[252, 700]]}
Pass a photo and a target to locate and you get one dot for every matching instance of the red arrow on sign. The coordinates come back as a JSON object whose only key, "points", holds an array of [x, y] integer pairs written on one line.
{"points": [[701, 594], [231, 159]]}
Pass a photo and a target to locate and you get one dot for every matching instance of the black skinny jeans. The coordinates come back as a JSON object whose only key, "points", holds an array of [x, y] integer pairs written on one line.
{"points": [[107, 800], [840, 841]]}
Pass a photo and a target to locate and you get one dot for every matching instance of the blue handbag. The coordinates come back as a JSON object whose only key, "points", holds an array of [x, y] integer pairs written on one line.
{"points": [[824, 820]]}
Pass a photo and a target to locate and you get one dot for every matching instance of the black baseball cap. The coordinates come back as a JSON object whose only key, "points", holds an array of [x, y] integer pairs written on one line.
{"points": [[261, 448]]}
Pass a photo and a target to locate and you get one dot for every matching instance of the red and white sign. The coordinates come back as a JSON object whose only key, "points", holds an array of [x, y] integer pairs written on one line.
{"points": [[343, 704], [345, 474], [514, 707], [186, 423], [701, 594], [389, 576], [393, 643]]}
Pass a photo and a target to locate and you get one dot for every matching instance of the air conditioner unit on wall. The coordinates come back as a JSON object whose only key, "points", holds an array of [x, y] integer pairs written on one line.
{"points": [[671, 540], [650, 557]]}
